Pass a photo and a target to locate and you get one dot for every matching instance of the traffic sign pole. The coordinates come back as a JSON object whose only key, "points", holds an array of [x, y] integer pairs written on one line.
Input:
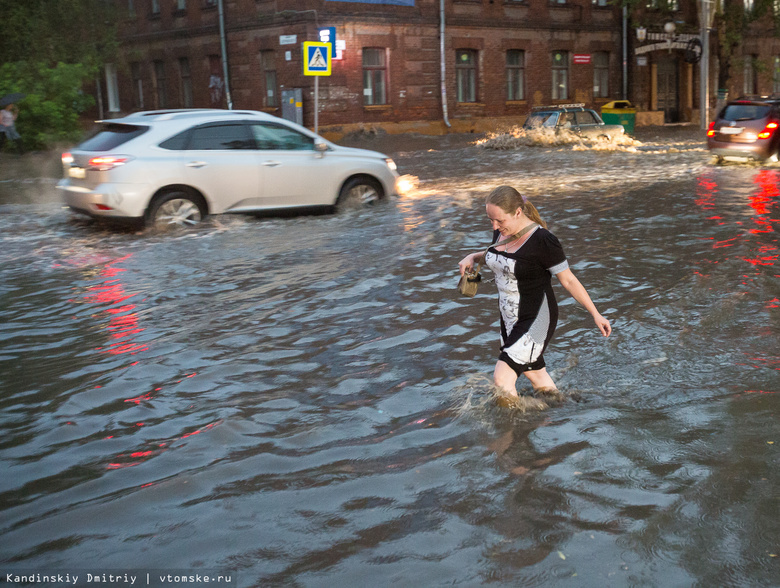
{"points": [[316, 62]]}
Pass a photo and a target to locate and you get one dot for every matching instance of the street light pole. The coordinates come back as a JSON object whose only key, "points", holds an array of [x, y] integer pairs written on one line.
{"points": [[704, 62]]}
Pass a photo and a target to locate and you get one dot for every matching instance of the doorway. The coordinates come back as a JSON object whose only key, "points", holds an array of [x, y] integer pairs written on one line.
{"points": [[668, 85]]}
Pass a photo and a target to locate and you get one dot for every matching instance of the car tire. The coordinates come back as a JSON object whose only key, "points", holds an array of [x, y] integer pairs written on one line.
{"points": [[175, 209], [359, 192]]}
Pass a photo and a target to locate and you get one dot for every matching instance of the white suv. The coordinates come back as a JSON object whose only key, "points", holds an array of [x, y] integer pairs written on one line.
{"points": [[174, 167]]}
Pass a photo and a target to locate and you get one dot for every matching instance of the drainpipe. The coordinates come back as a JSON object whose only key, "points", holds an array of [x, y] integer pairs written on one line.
{"points": [[443, 68], [625, 53], [223, 41]]}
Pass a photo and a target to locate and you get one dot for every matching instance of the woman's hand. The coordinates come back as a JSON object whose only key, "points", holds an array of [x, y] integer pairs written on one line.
{"points": [[603, 325], [467, 263]]}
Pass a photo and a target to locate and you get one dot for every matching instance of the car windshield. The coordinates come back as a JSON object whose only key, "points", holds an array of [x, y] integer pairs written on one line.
{"points": [[112, 135], [541, 119], [737, 112]]}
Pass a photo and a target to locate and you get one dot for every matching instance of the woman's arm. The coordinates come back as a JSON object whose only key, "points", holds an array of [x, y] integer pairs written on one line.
{"points": [[467, 263], [580, 294]]}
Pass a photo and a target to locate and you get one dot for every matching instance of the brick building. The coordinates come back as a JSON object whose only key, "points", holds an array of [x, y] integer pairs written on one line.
{"points": [[499, 58]]}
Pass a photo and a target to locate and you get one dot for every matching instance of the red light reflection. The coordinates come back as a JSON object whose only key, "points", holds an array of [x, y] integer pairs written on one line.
{"points": [[123, 319]]}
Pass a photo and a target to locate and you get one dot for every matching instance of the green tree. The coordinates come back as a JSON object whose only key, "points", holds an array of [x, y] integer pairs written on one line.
{"points": [[52, 51]]}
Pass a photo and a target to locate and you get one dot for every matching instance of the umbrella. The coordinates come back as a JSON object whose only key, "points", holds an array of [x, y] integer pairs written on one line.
{"points": [[11, 98]]}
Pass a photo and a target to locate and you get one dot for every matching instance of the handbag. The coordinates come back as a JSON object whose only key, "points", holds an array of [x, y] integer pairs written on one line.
{"points": [[469, 281]]}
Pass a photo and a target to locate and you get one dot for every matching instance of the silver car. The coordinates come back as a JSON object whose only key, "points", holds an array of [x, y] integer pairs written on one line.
{"points": [[573, 118], [175, 167]]}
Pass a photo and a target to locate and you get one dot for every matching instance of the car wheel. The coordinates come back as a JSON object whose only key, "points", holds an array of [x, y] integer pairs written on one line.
{"points": [[175, 209], [360, 192]]}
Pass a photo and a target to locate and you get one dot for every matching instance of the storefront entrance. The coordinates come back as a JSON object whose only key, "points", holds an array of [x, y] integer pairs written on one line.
{"points": [[668, 88]]}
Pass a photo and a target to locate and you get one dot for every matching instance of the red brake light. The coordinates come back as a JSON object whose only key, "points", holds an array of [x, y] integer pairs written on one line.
{"points": [[107, 162], [768, 130], [711, 129], [67, 158]]}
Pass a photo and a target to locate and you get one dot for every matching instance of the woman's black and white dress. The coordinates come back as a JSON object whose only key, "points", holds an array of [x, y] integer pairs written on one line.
{"points": [[529, 312]]}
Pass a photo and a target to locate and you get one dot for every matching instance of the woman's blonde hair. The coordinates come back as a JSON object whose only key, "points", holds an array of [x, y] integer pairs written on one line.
{"points": [[509, 200]]}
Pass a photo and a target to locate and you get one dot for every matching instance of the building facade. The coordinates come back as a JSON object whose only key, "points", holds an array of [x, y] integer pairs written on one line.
{"points": [[425, 65]]}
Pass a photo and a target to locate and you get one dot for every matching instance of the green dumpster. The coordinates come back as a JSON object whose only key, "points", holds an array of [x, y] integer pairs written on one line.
{"points": [[619, 112]]}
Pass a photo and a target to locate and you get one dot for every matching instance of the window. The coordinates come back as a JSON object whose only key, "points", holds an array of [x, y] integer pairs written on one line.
{"points": [[776, 76], [585, 117], [749, 5], [268, 64], [669, 5], [271, 136], [466, 75], [112, 88], [600, 2], [600, 74], [185, 89], [560, 75], [181, 4], [138, 86], [374, 76], [750, 80], [155, 6], [216, 83], [515, 75], [159, 84], [220, 137]]}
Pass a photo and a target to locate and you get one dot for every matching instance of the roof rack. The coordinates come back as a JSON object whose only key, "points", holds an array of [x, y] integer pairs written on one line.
{"points": [[578, 105]]}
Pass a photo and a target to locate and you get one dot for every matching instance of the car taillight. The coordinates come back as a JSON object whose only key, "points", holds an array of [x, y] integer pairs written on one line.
{"points": [[107, 162], [768, 130], [67, 159], [711, 129]]}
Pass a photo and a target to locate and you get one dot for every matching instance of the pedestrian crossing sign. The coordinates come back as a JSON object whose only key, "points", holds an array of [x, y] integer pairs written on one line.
{"points": [[316, 58]]}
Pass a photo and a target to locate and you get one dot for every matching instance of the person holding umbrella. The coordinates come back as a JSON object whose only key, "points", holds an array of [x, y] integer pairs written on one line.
{"points": [[8, 116]]}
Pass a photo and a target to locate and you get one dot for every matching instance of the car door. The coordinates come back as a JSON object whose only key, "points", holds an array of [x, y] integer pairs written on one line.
{"points": [[294, 172], [221, 161], [585, 123]]}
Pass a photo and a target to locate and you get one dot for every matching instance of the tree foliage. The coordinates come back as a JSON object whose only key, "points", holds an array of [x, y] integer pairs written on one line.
{"points": [[52, 50]]}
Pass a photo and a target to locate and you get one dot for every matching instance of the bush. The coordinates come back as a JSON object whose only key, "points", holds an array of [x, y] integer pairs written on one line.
{"points": [[50, 112]]}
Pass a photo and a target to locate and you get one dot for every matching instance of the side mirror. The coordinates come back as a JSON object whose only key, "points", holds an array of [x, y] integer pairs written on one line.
{"points": [[321, 147]]}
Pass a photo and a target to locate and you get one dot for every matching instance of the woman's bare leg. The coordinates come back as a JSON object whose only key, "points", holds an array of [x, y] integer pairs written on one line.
{"points": [[540, 379], [505, 378]]}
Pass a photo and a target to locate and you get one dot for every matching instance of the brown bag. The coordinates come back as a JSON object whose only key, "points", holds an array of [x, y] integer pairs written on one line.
{"points": [[469, 282]]}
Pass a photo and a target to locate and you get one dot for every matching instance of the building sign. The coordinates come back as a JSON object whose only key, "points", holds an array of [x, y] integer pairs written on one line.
{"points": [[396, 2], [582, 58], [288, 39]]}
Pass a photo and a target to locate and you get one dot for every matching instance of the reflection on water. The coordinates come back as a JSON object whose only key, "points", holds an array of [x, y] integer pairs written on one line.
{"points": [[306, 401]]}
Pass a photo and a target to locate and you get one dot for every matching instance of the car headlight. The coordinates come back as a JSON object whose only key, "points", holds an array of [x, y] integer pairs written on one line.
{"points": [[391, 164]]}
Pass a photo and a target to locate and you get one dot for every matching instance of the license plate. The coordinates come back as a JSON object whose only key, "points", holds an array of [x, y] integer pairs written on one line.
{"points": [[731, 130], [77, 172]]}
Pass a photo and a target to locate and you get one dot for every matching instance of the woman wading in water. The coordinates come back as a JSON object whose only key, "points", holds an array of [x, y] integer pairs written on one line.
{"points": [[524, 257]]}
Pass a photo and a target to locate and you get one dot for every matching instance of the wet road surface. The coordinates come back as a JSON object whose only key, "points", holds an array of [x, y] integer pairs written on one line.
{"points": [[304, 401]]}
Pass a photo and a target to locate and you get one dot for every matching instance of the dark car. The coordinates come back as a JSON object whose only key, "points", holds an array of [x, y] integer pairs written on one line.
{"points": [[574, 118], [746, 128]]}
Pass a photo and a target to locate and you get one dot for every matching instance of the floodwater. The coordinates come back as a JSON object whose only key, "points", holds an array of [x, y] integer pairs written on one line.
{"points": [[305, 401]]}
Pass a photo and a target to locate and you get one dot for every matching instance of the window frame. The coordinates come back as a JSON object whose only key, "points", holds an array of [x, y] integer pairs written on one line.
{"points": [[515, 76], [268, 65], [560, 73], [160, 83], [601, 75], [375, 94], [468, 73]]}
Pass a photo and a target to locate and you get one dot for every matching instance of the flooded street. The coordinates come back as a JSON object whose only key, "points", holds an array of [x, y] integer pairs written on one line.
{"points": [[303, 401]]}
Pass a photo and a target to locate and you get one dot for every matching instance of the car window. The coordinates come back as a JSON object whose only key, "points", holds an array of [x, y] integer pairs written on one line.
{"points": [[737, 112], [567, 119], [111, 136], [271, 136], [586, 118], [220, 137], [177, 142]]}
